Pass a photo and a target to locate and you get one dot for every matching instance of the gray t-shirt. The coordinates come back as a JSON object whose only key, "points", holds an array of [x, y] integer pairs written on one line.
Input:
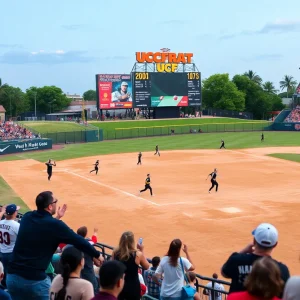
{"points": [[217, 286]]}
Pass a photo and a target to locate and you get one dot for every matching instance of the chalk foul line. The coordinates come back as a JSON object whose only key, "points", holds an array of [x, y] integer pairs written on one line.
{"points": [[112, 188]]}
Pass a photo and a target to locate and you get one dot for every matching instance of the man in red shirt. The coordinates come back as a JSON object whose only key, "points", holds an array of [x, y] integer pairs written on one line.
{"points": [[111, 276]]}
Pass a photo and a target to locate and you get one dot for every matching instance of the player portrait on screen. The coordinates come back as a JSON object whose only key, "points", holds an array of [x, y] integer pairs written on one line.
{"points": [[121, 93]]}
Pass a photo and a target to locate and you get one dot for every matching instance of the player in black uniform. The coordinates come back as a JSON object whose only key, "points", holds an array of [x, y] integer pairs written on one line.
{"points": [[156, 150], [49, 165], [147, 185], [139, 159], [262, 137], [222, 144], [213, 180], [96, 167]]}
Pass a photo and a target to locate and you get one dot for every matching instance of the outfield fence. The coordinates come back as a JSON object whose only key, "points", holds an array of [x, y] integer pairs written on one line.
{"points": [[71, 137], [95, 134], [136, 132]]}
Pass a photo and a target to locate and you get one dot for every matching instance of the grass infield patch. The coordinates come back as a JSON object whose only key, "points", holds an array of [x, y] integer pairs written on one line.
{"points": [[233, 140], [8, 196], [287, 156]]}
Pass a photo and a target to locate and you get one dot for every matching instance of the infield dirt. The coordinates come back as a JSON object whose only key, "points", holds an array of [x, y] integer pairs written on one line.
{"points": [[253, 188]]}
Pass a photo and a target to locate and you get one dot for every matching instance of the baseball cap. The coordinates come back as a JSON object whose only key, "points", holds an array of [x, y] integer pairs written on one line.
{"points": [[266, 235], [11, 209], [124, 83]]}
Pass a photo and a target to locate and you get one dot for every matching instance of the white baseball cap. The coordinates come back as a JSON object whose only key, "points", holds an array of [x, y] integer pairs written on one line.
{"points": [[266, 235]]}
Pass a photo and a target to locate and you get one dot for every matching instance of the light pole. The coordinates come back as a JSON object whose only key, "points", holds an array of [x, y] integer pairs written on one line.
{"points": [[35, 103], [10, 105]]}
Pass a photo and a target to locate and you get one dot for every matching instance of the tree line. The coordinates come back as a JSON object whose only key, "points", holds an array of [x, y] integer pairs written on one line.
{"points": [[246, 92], [45, 99]]}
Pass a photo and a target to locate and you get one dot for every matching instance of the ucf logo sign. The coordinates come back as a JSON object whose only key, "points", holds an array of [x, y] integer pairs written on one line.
{"points": [[165, 61]]}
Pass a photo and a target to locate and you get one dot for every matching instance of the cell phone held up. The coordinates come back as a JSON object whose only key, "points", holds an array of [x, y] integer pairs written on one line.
{"points": [[140, 241]]}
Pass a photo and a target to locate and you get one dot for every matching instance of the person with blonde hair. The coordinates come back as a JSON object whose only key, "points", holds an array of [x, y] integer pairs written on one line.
{"points": [[263, 283], [132, 256]]}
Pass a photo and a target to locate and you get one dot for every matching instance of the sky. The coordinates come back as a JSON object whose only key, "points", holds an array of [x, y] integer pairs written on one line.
{"points": [[65, 43]]}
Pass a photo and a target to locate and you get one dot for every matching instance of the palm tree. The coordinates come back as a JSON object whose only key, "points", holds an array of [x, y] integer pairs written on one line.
{"points": [[253, 76], [287, 83], [269, 87]]}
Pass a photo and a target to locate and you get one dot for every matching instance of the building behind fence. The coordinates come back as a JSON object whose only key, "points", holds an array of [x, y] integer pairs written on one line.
{"points": [[227, 113]]}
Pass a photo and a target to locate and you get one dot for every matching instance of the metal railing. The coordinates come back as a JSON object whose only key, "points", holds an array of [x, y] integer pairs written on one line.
{"points": [[106, 251], [201, 281]]}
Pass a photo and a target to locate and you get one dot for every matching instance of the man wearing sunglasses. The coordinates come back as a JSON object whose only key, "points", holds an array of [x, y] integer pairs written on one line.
{"points": [[38, 238]]}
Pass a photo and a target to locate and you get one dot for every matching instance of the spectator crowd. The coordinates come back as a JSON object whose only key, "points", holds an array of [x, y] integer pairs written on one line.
{"points": [[12, 131], [42, 258], [294, 115]]}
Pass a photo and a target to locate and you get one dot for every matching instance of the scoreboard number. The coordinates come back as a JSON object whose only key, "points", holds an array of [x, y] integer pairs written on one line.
{"points": [[193, 75], [141, 76]]}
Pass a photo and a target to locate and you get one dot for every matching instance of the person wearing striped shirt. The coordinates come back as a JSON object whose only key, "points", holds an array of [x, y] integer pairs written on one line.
{"points": [[153, 287]]}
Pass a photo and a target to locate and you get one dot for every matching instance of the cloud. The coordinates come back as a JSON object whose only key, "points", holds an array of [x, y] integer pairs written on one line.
{"points": [[73, 26], [10, 46], [281, 26], [44, 57], [264, 57], [278, 27], [234, 35], [173, 22], [118, 57]]}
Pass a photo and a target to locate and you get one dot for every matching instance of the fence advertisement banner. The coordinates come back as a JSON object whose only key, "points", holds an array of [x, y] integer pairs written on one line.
{"points": [[286, 126], [10, 147]]}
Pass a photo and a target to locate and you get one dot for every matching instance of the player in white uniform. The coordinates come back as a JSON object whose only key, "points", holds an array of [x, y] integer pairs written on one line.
{"points": [[9, 229]]}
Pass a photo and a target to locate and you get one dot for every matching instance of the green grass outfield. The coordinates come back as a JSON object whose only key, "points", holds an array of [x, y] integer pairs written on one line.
{"points": [[54, 126], [8, 196], [112, 125], [287, 156], [233, 140], [137, 128], [60, 126]]}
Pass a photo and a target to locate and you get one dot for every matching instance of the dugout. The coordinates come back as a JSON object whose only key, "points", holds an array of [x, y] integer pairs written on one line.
{"points": [[166, 112], [67, 115]]}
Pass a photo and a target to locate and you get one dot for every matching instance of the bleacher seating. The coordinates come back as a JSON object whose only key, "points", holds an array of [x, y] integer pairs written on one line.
{"points": [[294, 116], [12, 131]]}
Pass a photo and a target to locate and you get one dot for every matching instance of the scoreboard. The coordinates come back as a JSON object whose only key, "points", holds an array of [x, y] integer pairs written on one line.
{"points": [[141, 89], [155, 89]]}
